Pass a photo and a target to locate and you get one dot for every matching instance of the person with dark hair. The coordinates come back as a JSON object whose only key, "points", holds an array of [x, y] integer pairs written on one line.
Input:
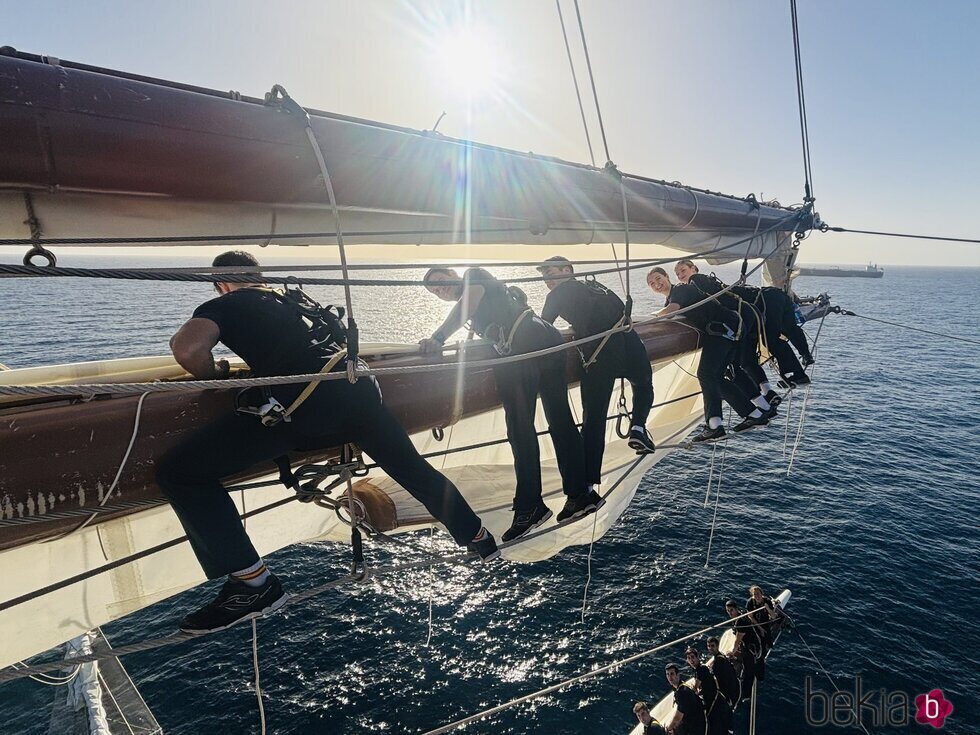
{"points": [[748, 647], [501, 315], [729, 686], [706, 686], [689, 717], [591, 308], [749, 374], [649, 723], [719, 330], [281, 333]]}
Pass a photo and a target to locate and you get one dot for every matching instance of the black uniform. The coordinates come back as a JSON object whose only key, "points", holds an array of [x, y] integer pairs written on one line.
{"points": [[591, 308], [714, 704], [779, 320], [749, 374], [750, 654], [717, 352], [520, 383], [689, 704], [268, 333], [729, 686]]}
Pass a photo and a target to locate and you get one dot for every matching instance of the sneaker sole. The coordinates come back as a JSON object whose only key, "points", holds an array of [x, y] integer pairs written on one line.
{"points": [[544, 519], [587, 510], [257, 614], [640, 448], [726, 437], [485, 559]]}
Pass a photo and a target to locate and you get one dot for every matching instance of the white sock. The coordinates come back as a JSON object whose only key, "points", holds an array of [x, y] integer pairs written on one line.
{"points": [[481, 534], [765, 388], [757, 414], [761, 402], [715, 422], [639, 428], [253, 576]]}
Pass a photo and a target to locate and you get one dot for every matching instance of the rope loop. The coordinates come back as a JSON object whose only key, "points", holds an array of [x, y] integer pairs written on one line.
{"points": [[438, 433], [39, 252]]}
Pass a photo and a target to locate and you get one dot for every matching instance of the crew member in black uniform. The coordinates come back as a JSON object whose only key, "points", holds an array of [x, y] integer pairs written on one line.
{"points": [[706, 686], [748, 647], [767, 617], [749, 374], [729, 686], [689, 718], [268, 330], [778, 317], [643, 716], [501, 315], [591, 308], [718, 328]]}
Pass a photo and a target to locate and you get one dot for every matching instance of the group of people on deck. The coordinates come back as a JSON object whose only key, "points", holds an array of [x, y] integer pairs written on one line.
{"points": [[277, 335], [706, 703]]}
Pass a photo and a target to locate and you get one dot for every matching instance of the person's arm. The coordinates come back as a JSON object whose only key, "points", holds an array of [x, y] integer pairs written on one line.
{"points": [[458, 316], [551, 309], [675, 721], [192, 345]]}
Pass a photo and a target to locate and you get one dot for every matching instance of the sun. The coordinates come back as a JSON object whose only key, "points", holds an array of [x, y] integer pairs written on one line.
{"points": [[469, 62]]}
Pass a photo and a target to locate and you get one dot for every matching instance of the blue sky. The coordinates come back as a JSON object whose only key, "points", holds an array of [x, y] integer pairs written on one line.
{"points": [[701, 92]]}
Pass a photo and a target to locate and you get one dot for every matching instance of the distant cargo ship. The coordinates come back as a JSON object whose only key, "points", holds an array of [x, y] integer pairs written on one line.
{"points": [[870, 271]]}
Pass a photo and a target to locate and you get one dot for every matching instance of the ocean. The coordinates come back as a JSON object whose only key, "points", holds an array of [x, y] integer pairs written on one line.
{"points": [[874, 531]]}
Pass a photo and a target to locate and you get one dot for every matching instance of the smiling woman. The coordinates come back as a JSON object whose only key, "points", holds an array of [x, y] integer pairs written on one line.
{"points": [[469, 61]]}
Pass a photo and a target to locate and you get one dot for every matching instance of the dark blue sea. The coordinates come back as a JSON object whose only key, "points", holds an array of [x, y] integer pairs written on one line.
{"points": [[875, 532]]}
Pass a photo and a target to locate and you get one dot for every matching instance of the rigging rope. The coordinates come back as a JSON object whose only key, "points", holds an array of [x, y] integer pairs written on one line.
{"points": [[845, 312], [806, 396], [827, 228], [595, 95], [578, 93], [801, 103], [255, 668]]}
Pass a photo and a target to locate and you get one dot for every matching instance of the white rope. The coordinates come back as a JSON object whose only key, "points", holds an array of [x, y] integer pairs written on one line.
{"points": [[806, 396], [255, 667], [711, 474], [714, 516], [588, 561], [825, 672], [789, 413], [580, 678], [432, 551]]}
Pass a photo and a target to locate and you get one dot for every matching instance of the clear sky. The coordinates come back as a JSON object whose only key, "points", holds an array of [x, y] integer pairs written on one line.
{"points": [[698, 91]]}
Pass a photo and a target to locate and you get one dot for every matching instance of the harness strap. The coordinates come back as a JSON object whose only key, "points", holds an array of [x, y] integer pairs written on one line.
{"points": [[505, 347], [586, 364], [311, 386]]}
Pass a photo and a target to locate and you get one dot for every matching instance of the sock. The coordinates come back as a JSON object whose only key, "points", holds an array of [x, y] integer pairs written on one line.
{"points": [[481, 535], [639, 428], [761, 402], [253, 576], [715, 422], [765, 388], [757, 414]]}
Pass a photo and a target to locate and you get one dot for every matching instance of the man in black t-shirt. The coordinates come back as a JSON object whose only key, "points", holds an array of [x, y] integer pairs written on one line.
{"points": [[707, 687], [269, 331], [494, 313], [729, 686], [643, 716], [718, 328], [591, 308], [689, 718], [747, 647]]}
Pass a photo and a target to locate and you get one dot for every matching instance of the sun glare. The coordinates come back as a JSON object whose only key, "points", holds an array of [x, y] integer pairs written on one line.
{"points": [[470, 63]]}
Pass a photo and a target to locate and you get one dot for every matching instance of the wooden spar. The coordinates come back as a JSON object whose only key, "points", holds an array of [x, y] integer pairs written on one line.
{"points": [[63, 455], [110, 154]]}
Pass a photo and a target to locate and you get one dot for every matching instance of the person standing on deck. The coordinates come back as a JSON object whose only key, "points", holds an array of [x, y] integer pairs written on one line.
{"points": [[689, 717], [495, 313], [729, 686], [747, 647], [591, 308], [271, 333], [719, 330]]}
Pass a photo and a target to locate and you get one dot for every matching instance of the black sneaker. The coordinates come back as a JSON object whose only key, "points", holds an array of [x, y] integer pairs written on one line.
{"points": [[798, 379], [580, 505], [485, 548], [773, 398], [770, 414], [710, 435], [235, 602], [527, 520], [751, 423], [808, 361], [641, 441]]}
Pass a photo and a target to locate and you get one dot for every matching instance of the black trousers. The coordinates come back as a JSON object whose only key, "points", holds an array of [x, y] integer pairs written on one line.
{"points": [[719, 716], [717, 353], [780, 319], [749, 374], [336, 413], [518, 386], [624, 356]]}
